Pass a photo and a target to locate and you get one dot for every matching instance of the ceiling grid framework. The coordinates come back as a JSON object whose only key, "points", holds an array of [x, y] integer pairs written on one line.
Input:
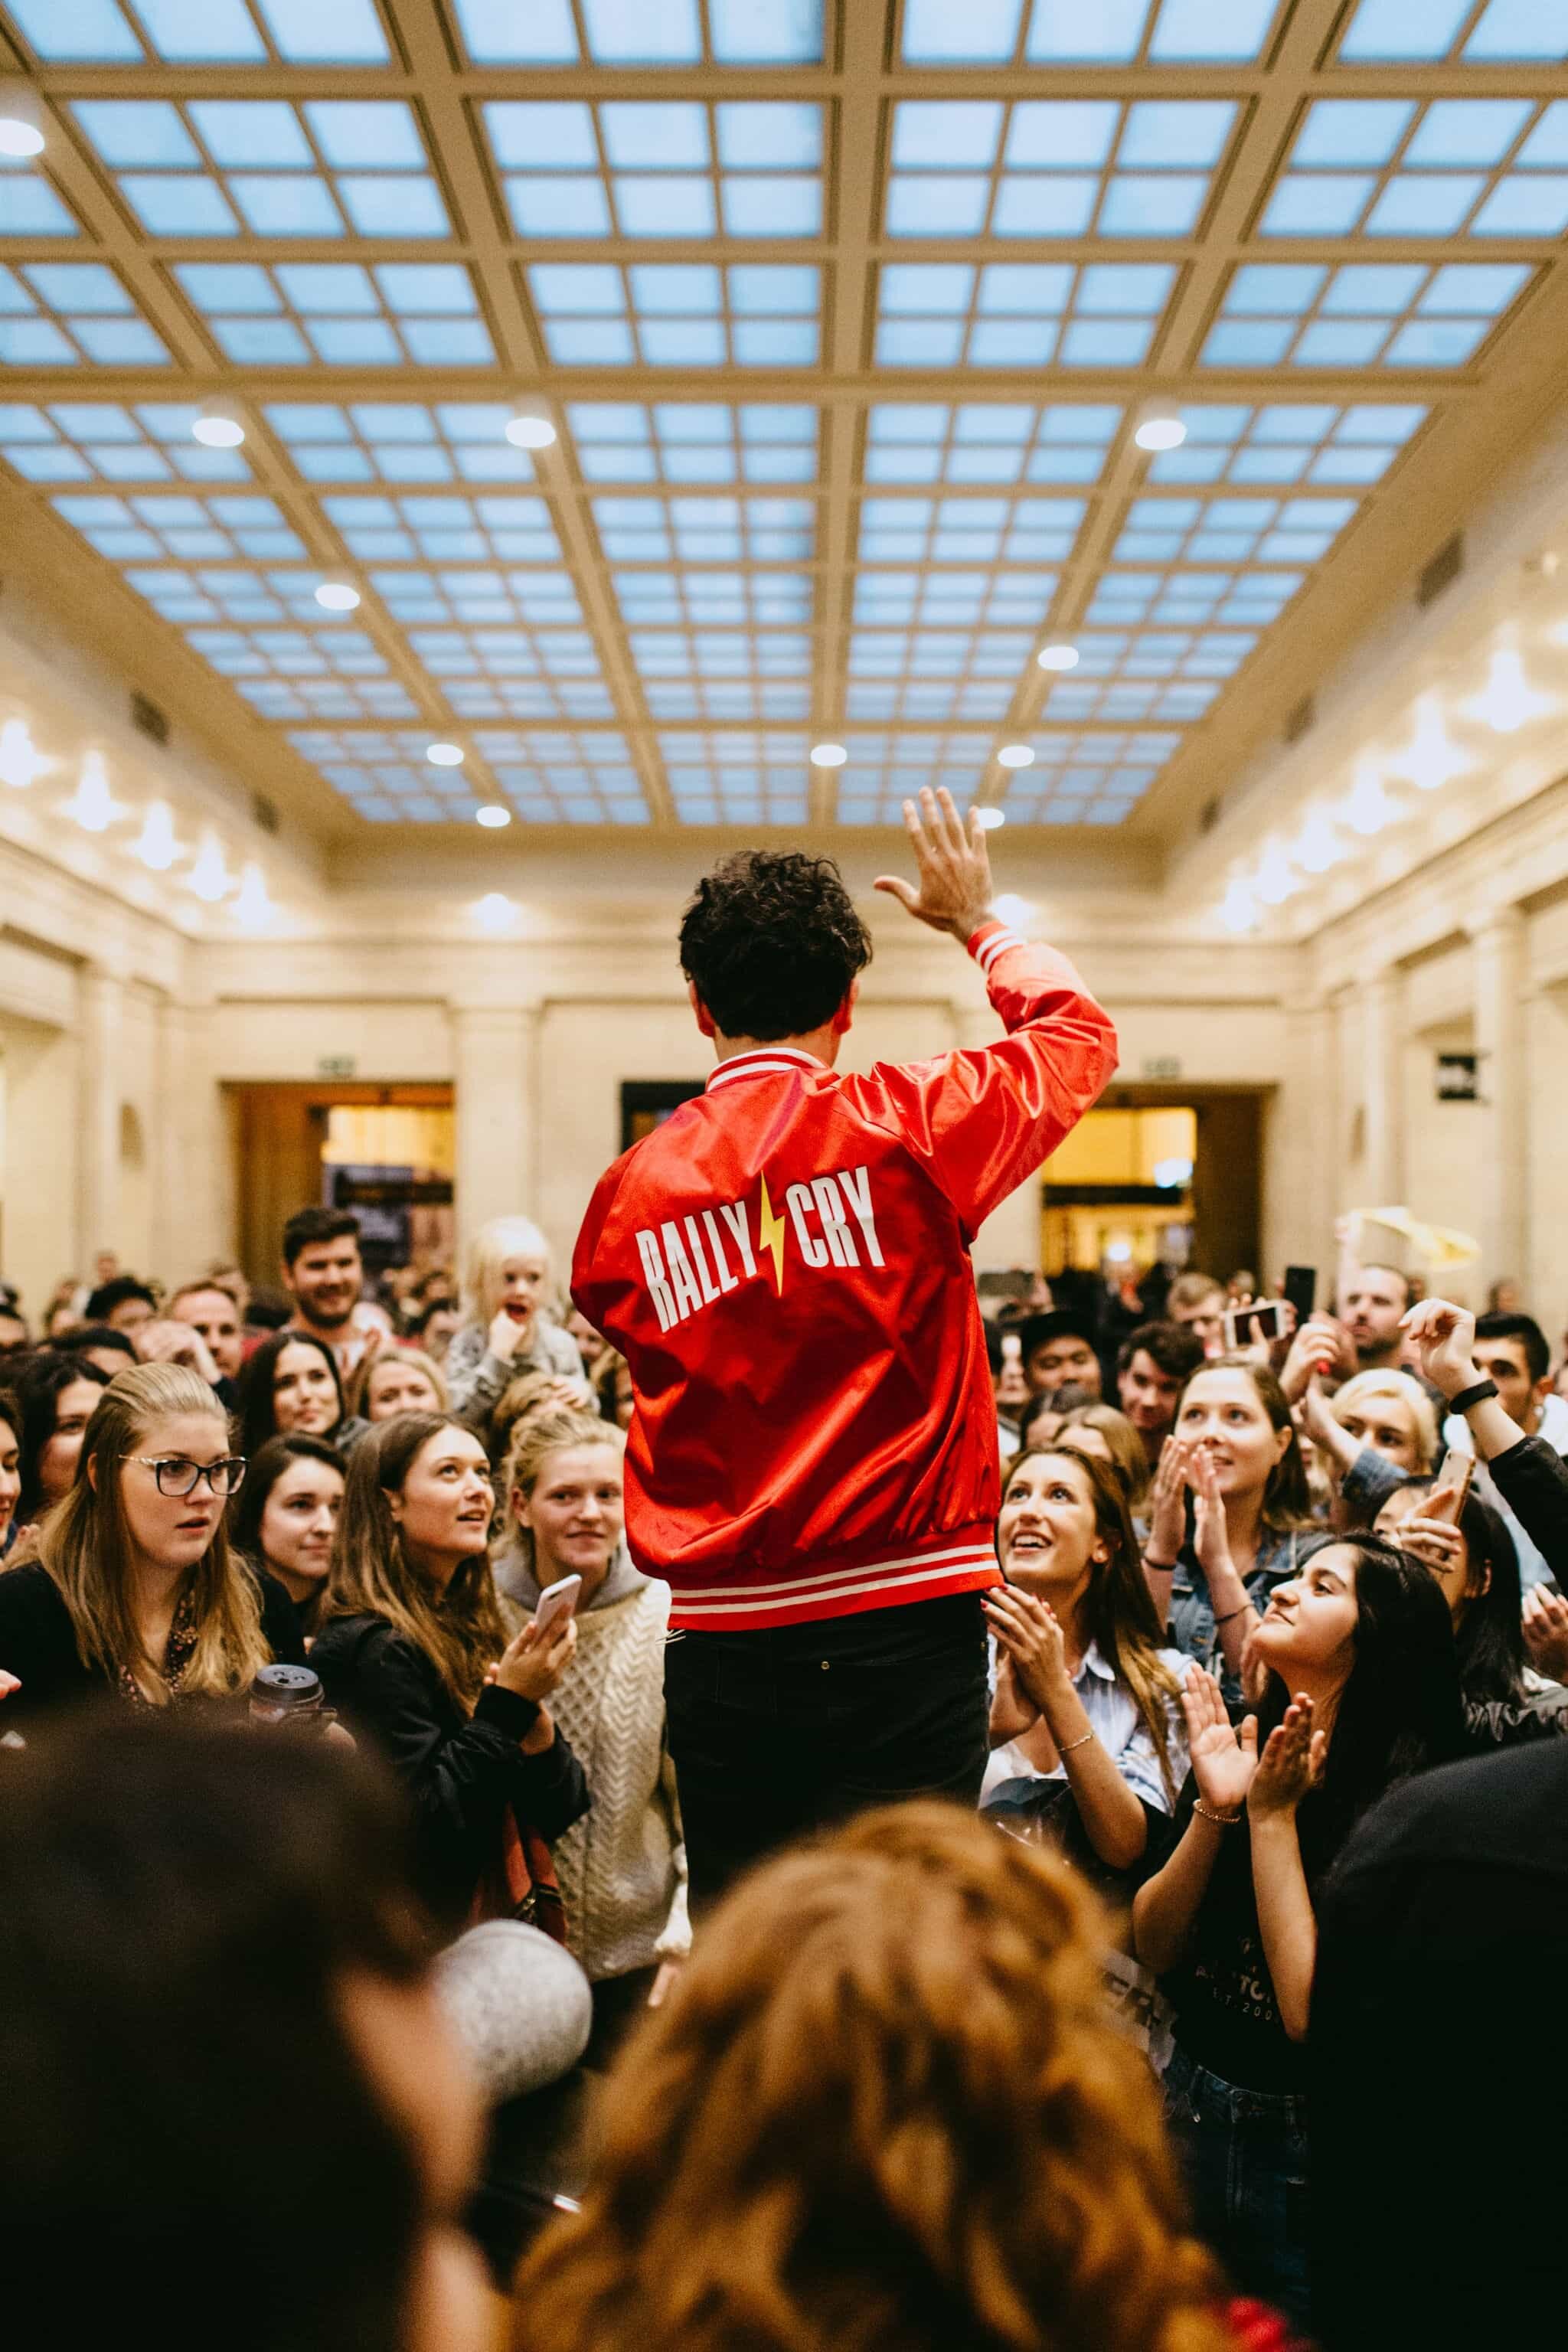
{"points": [[845, 316]]}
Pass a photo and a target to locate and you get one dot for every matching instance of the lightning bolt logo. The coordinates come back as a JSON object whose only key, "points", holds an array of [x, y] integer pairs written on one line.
{"points": [[773, 1237]]}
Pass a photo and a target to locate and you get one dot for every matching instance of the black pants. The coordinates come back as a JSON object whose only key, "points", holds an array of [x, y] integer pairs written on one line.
{"points": [[780, 1732]]}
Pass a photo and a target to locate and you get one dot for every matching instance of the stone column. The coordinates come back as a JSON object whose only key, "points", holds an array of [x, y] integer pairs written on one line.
{"points": [[495, 1081], [1498, 944], [1381, 1086], [102, 1003]]}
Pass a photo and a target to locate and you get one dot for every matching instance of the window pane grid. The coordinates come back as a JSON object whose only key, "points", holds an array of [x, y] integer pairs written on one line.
{"points": [[676, 33], [1014, 314], [1314, 442], [651, 530], [1394, 315], [100, 441], [217, 32], [1045, 168], [387, 777], [219, 529], [1087, 779], [1112, 32], [1474, 32], [399, 441], [339, 314], [658, 169], [979, 442], [70, 314], [564, 778], [1456, 167], [412, 527], [695, 314], [737, 779], [708, 442], [1147, 676]]}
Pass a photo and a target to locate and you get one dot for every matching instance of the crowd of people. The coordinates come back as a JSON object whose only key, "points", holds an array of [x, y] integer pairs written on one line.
{"points": [[1051, 2069]]}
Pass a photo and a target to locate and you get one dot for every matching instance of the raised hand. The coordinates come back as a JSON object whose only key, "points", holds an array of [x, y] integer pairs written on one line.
{"points": [[1445, 1337], [1168, 1503], [1321, 1345], [533, 1664], [1546, 1632], [1291, 1764], [1027, 1631], [954, 867], [1435, 1543], [1224, 1759], [507, 1334], [1210, 1540]]}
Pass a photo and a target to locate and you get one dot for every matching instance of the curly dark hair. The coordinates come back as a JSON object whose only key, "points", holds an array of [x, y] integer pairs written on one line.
{"points": [[771, 943]]}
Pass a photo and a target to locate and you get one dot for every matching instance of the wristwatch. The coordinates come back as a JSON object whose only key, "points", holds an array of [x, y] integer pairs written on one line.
{"points": [[1476, 1393]]}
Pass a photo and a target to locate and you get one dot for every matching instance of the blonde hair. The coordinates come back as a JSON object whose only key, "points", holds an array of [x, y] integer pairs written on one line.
{"points": [[886, 2105], [534, 1443], [85, 1544], [1361, 1387], [489, 1251], [461, 1630], [1123, 1441], [358, 1398]]}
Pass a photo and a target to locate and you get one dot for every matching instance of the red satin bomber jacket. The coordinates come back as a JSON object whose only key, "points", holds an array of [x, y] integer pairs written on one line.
{"points": [[785, 1266]]}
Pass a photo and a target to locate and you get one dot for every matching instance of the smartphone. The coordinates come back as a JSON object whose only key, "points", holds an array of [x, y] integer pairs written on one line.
{"points": [[1450, 1489], [1301, 1289], [556, 1601], [1244, 1325]]}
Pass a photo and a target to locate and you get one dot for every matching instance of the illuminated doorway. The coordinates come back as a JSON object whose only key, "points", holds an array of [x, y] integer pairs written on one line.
{"points": [[1156, 1175], [385, 1152]]}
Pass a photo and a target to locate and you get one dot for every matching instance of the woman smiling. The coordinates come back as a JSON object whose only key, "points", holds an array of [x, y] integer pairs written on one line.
{"points": [[1085, 1696]]}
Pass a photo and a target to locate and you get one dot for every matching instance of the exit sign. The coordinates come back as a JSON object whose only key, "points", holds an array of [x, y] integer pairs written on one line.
{"points": [[1162, 1065], [336, 1066]]}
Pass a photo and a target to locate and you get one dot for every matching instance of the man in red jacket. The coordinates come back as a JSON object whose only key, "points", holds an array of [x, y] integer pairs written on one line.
{"points": [[784, 1265]]}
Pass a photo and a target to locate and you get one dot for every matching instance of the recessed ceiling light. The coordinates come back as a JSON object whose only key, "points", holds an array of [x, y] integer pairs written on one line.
{"points": [[444, 755], [989, 818], [495, 912], [219, 425], [828, 755], [1057, 657], [1016, 755], [492, 816], [337, 596], [529, 432], [21, 121], [1160, 428]]}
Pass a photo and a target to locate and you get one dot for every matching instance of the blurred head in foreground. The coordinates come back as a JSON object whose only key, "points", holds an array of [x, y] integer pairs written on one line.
{"points": [[230, 2099], [887, 2107]]}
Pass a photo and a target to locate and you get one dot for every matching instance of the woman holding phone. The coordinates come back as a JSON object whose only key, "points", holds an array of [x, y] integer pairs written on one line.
{"points": [[623, 1866], [414, 1653]]}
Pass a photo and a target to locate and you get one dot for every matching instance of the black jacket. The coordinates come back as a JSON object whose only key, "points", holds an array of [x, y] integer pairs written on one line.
{"points": [[38, 1642], [1532, 1479], [460, 1771]]}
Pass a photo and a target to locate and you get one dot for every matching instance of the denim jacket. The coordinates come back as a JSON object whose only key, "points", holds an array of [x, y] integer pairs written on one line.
{"points": [[1192, 1625]]}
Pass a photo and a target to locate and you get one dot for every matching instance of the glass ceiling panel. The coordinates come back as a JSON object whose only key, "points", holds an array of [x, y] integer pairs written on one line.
{"points": [[1061, 33], [1087, 779], [387, 777], [627, 441], [705, 530], [514, 672], [1231, 531], [737, 779], [1013, 314], [1023, 530], [1496, 32], [185, 529], [678, 314], [564, 778], [203, 32], [631, 33], [1185, 600], [1044, 168], [884, 771], [1296, 441], [665, 168], [1146, 675], [413, 528], [297, 313], [28, 203], [70, 314], [399, 441], [1471, 167], [99, 441], [988, 442], [723, 674], [225, 167], [1394, 315]]}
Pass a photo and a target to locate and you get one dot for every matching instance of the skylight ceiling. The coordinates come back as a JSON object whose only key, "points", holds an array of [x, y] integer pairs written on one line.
{"points": [[845, 317]]}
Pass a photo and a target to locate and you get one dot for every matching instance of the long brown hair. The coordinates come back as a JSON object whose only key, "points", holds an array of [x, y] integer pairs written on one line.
{"points": [[461, 1629], [1119, 1610], [85, 1544], [886, 2109]]}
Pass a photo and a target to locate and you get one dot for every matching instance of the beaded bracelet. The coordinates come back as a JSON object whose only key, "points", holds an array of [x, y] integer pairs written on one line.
{"points": [[1223, 1820], [1074, 1743]]}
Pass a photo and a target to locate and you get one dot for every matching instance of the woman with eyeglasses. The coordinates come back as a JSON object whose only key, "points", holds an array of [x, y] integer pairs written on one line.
{"points": [[130, 1586]]}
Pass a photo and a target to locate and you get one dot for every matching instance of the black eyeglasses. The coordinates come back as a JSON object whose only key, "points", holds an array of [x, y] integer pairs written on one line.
{"points": [[175, 1477]]}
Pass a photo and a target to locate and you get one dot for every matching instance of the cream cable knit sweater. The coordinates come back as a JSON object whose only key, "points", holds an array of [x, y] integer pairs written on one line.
{"points": [[622, 1868]]}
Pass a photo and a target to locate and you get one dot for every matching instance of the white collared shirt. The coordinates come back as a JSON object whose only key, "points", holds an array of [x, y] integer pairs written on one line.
{"points": [[1120, 1729]]}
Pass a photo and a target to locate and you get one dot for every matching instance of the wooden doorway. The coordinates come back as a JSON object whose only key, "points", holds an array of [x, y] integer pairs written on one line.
{"points": [[298, 1144], [1156, 1168]]}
